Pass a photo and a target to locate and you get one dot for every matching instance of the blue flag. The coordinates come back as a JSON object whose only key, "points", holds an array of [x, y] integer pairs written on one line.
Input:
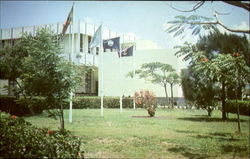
{"points": [[127, 52], [113, 43]]}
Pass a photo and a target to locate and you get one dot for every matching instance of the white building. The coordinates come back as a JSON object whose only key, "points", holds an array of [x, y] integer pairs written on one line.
{"points": [[115, 82]]}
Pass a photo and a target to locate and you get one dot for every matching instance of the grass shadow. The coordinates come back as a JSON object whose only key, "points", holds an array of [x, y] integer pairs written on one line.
{"points": [[185, 131], [207, 119], [233, 148], [205, 116], [226, 138], [187, 152]]}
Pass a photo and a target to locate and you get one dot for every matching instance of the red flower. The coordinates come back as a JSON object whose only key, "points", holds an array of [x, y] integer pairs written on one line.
{"points": [[204, 60], [235, 54], [50, 132], [13, 117]]}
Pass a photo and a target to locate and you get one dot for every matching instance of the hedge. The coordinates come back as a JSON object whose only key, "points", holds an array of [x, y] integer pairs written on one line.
{"points": [[22, 106], [243, 105], [19, 139], [36, 105], [95, 102]]}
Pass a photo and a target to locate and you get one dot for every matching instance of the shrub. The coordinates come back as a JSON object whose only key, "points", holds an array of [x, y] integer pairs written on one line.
{"points": [[146, 99], [244, 106], [19, 139], [22, 106]]}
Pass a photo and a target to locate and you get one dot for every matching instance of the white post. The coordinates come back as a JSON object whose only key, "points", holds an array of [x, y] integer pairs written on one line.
{"points": [[134, 79], [101, 83], [120, 83], [102, 69], [72, 51]]}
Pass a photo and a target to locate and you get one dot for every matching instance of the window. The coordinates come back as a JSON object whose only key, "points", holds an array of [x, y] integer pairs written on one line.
{"points": [[5, 43], [81, 42], [97, 50], [88, 82], [89, 40]]}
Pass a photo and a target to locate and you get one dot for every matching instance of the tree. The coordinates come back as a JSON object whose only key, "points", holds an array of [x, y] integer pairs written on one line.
{"points": [[11, 67], [231, 68], [198, 90], [209, 47], [224, 43], [196, 22], [42, 71], [155, 72]]}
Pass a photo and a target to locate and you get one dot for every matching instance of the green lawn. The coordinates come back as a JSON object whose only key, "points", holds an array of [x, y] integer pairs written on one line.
{"points": [[177, 133]]}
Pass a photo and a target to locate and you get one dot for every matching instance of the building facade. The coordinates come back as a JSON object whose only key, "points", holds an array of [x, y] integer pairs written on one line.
{"points": [[115, 68]]}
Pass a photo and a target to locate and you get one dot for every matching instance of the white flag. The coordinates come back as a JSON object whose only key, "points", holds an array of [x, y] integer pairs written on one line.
{"points": [[97, 38]]}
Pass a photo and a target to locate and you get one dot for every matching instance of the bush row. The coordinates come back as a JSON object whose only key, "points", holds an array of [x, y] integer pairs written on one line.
{"points": [[95, 102], [244, 106], [19, 139], [36, 105], [22, 106]]}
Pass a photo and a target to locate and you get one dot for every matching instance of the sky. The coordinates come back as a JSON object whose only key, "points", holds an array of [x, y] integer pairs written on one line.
{"points": [[145, 19]]}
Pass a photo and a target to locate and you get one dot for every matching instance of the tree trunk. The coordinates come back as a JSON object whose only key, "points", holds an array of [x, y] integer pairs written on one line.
{"points": [[223, 98], [172, 97], [236, 94], [62, 117], [165, 88], [238, 113]]}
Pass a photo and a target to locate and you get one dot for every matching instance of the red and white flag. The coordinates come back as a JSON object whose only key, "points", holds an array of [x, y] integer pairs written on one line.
{"points": [[68, 21]]}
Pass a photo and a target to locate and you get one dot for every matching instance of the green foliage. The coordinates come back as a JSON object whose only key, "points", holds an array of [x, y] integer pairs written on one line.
{"points": [[199, 91], [225, 44], [158, 73], [216, 59], [155, 72], [188, 86], [41, 70], [193, 22], [185, 51], [224, 67], [19, 139], [244, 106], [11, 61], [146, 99], [22, 106]]}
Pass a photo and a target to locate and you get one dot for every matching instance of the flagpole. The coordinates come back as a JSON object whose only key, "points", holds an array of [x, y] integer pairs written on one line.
{"points": [[134, 79], [72, 51]]}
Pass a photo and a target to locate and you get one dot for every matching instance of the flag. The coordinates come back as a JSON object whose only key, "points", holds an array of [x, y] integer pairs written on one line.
{"points": [[113, 43], [68, 21], [127, 52], [97, 38]]}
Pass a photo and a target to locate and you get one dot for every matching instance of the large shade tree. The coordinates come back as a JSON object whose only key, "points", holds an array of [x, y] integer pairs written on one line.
{"points": [[38, 69], [210, 46], [226, 68]]}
